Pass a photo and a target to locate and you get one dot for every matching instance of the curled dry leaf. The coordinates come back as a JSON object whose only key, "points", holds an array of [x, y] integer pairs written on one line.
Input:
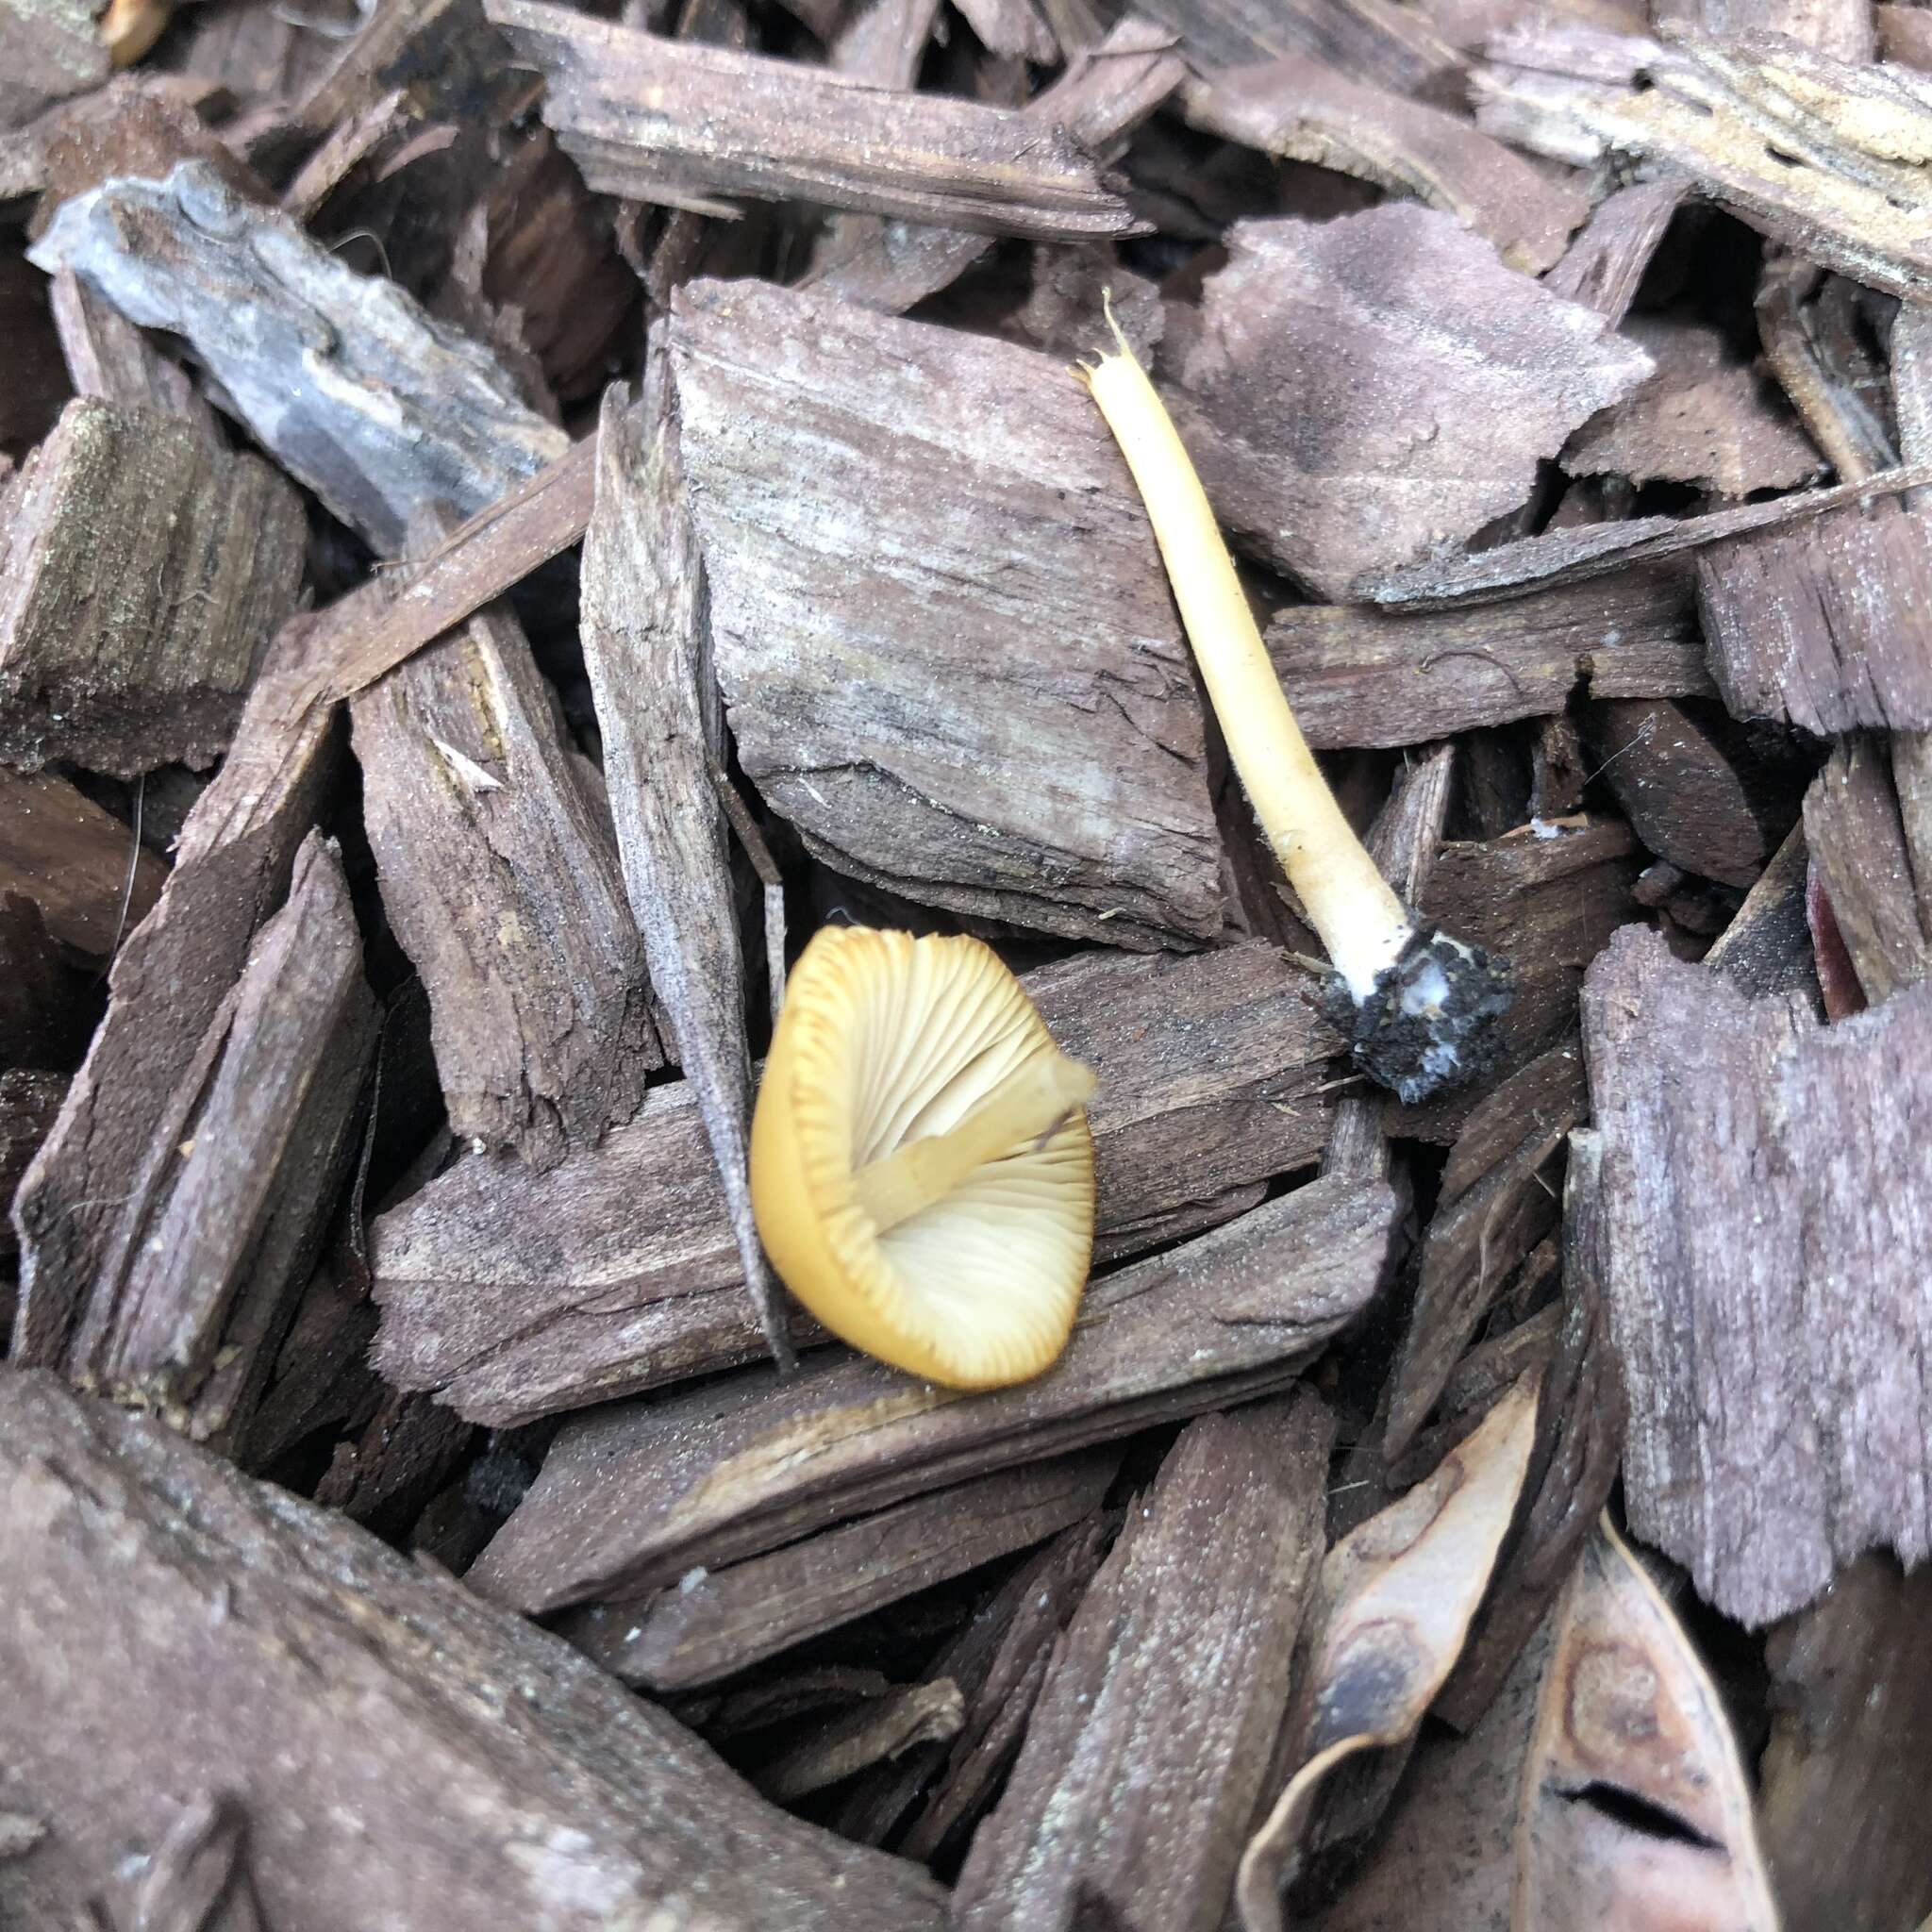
{"points": [[1636, 1814], [1395, 1603]]}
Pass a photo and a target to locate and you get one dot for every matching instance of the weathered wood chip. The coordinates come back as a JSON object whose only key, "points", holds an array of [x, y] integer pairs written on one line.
{"points": [[1635, 1805], [1822, 153], [91, 877], [1356, 676], [1297, 109], [500, 879], [1880, 896], [669, 121], [143, 573], [941, 627], [1767, 946], [647, 648], [194, 1880], [712, 1623], [1383, 45], [463, 1767], [515, 1295], [1106, 92], [1849, 1707], [225, 1222], [1145, 1752], [1604, 265], [1818, 625], [882, 1728], [1357, 394], [1767, 1237], [343, 378], [1391, 1609], [1703, 418], [639, 1492], [110, 359], [29, 1100], [47, 53]]}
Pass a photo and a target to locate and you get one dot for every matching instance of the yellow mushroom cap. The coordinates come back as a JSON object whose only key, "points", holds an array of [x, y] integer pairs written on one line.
{"points": [[886, 1041]]}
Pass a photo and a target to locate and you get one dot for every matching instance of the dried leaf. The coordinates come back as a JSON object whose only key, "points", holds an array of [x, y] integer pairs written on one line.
{"points": [[1636, 1808]]}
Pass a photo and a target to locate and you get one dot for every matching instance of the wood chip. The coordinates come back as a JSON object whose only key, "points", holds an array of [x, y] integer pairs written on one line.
{"points": [[1815, 624], [1881, 902], [1495, 1206], [1848, 1706], [647, 648], [225, 1231], [1635, 1804], [1385, 45], [110, 359], [501, 883], [1703, 418], [886, 1727], [91, 877], [144, 575], [1767, 946], [1777, 1423], [670, 121], [389, 414], [1146, 1749], [874, 580], [1298, 109], [532, 1785], [638, 1493], [1360, 676], [29, 1100], [711, 1623], [1604, 265], [47, 53], [1816, 152], [1321, 348], [1107, 91], [196, 1879], [515, 1295]]}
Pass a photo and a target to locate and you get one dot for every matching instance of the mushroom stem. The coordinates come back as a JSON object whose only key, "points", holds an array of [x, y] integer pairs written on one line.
{"points": [[1361, 922], [1027, 1107]]}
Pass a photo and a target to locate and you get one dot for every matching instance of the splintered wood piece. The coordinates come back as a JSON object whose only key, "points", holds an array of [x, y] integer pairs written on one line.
{"points": [[1767, 1234], [1495, 1206], [1385, 45], [1604, 265], [503, 886], [1850, 1704], [29, 1100], [233, 1209], [380, 622], [1361, 677], [1299, 109], [883, 582], [1579, 1437], [83, 1210], [343, 378], [880, 1728], [1106, 92], [1546, 898], [385, 1474], [639, 1492], [658, 120], [1684, 798], [1630, 1722], [1320, 347], [534, 1789], [1767, 946], [1391, 1611], [143, 574], [1844, 28], [194, 1880], [1580, 553], [1145, 1751], [647, 648], [516, 1295], [91, 877], [1855, 833], [1704, 418], [711, 1623], [1816, 152], [999, 1661], [1014, 28], [110, 359], [1818, 624], [1446, 1859], [1806, 326]]}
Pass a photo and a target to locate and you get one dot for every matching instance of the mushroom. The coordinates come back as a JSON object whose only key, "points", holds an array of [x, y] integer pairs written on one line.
{"points": [[1421, 1008], [922, 1173]]}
